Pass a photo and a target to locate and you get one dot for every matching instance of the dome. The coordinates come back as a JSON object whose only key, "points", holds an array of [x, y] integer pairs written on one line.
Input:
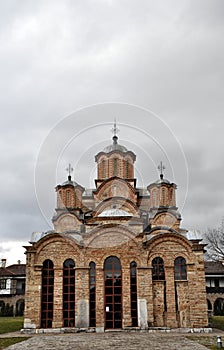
{"points": [[70, 182], [115, 147], [162, 181]]}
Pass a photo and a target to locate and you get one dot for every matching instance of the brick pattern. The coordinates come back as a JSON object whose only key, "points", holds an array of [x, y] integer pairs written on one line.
{"points": [[190, 313], [140, 238], [115, 164]]}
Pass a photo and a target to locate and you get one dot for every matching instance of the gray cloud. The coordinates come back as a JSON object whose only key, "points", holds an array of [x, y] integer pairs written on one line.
{"points": [[57, 57]]}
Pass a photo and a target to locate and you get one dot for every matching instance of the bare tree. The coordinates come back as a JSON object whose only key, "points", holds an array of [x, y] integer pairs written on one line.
{"points": [[214, 237]]}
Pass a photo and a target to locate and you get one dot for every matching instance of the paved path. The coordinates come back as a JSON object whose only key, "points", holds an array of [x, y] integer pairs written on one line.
{"points": [[108, 341]]}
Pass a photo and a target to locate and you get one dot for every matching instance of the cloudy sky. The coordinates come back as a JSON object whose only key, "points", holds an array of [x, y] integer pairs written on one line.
{"points": [[68, 68]]}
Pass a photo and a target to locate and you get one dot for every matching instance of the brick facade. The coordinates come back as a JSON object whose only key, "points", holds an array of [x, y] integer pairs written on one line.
{"points": [[128, 224]]}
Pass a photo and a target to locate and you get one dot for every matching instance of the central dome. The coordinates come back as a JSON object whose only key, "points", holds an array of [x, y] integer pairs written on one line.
{"points": [[115, 147]]}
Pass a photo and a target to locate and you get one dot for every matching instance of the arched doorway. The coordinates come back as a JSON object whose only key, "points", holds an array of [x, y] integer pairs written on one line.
{"points": [[209, 306], [113, 293], [219, 307], [20, 307]]}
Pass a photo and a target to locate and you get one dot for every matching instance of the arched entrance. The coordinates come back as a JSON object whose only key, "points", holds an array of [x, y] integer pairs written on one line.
{"points": [[113, 293], [20, 307], [219, 307], [209, 306]]}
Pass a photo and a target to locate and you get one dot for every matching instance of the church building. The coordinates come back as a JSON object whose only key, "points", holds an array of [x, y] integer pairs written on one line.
{"points": [[117, 257]]}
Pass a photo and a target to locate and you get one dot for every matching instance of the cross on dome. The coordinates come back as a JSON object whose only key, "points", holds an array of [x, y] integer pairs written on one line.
{"points": [[70, 170], [161, 167], [115, 129]]}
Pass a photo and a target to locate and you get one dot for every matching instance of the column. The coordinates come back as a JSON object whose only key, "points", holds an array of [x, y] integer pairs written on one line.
{"points": [[126, 294], [144, 290], [171, 319], [58, 298], [82, 297], [100, 312]]}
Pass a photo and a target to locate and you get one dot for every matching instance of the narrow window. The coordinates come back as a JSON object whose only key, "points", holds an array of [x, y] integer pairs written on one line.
{"points": [[115, 166], [158, 273], [69, 293], [113, 293], [68, 198], [103, 169], [171, 196], [134, 301], [92, 294], [47, 295], [180, 269], [127, 169], [59, 201], [163, 196], [154, 198]]}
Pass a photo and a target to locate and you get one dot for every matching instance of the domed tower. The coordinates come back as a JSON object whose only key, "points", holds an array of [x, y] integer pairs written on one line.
{"points": [[69, 194], [163, 210], [115, 160], [69, 210]]}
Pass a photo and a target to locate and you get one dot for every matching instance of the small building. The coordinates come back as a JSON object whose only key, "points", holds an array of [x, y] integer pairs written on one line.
{"points": [[214, 273], [117, 257], [12, 289]]}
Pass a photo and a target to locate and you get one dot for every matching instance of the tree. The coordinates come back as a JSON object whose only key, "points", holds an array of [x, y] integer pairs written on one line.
{"points": [[214, 237]]}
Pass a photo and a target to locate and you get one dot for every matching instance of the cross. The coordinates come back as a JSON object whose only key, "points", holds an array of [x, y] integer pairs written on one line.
{"points": [[115, 130], [69, 169], [161, 167]]}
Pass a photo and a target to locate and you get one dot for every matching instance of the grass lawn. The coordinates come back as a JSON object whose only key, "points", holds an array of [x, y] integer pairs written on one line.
{"points": [[210, 341], [10, 324], [217, 322], [5, 342]]}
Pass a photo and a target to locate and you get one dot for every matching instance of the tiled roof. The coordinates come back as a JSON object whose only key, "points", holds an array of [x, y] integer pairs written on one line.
{"points": [[13, 270], [214, 268]]}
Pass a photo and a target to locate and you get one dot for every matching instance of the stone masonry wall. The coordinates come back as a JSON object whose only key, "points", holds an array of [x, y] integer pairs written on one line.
{"points": [[192, 308]]}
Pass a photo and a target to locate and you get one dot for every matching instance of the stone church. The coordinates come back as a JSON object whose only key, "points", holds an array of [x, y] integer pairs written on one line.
{"points": [[117, 257]]}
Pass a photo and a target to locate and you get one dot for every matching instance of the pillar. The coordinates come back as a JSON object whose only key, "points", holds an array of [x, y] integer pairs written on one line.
{"points": [[100, 312], [144, 290], [58, 299], [82, 297], [171, 318]]}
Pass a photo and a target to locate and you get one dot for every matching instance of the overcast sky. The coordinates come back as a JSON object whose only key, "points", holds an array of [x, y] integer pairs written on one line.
{"points": [[68, 68]]}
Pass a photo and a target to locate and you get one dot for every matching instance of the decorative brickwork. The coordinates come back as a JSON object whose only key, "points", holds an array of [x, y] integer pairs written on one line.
{"points": [[123, 233]]}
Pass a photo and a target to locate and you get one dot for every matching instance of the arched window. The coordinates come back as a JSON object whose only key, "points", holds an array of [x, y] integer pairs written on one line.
{"points": [[134, 301], [92, 294], [171, 196], [68, 198], [163, 197], [69, 293], [59, 199], [47, 294], [113, 293], [180, 269], [158, 273], [115, 166], [127, 169], [103, 168], [154, 198]]}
